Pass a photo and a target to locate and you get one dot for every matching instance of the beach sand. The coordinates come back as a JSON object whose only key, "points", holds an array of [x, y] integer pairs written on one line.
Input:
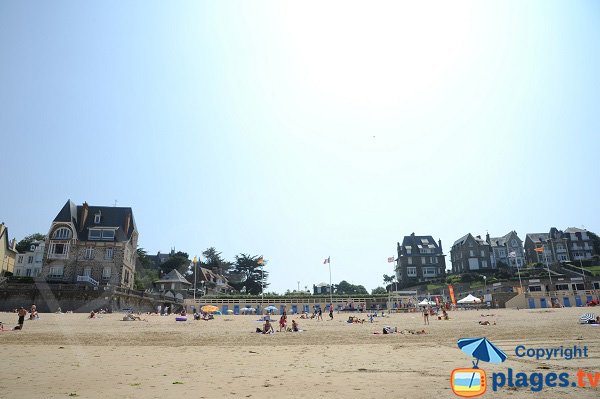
{"points": [[69, 355]]}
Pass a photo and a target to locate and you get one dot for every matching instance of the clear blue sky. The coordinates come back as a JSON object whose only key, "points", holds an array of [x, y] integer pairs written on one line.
{"points": [[302, 130]]}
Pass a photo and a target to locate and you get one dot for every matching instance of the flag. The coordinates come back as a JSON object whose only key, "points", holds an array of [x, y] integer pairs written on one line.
{"points": [[391, 259], [260, 261], [539, 249], [452, 298], [327, 260], [512, 254]]}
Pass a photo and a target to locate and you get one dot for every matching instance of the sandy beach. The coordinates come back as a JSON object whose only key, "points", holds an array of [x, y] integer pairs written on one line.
{"points": [[69, 355]]}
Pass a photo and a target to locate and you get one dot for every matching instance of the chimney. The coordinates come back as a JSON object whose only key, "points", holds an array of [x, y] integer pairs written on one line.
{"points": [[127, 223], [13, 244], [84, 215], [487, 238], [479, 237], [440, 245]]}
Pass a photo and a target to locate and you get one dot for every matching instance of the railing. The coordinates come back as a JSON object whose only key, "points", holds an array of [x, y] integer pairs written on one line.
{"points": [[561, 292], [58, 256], [87, 279]]}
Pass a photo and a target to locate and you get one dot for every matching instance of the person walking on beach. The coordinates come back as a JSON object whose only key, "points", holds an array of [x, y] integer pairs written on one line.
{"points": [[425, 315], [331, 312], [320, 316], [21, 313]]}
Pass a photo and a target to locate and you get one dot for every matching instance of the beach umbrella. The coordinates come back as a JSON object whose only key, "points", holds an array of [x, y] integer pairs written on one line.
{"points": [[209, 308], [482, 349], [229, 311], [271, 308], [586, 317]]}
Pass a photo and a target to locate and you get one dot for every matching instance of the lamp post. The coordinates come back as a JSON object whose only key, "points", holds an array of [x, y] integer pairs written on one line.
{"points": [[484, 284], [195, 278]]}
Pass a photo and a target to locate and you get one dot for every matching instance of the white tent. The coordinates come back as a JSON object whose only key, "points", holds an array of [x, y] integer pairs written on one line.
{"points": [[426, 302], [470, 299]]}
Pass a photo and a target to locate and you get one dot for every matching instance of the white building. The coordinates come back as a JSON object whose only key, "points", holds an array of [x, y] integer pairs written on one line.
{"points": [[29, 264]]}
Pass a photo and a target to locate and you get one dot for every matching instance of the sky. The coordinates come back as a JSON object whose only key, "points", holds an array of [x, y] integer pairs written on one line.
{"points": [[302, 130]]}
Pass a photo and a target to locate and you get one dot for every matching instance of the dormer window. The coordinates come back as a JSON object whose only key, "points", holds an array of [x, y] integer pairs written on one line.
{"points": [[97, 218], [99, 234]]}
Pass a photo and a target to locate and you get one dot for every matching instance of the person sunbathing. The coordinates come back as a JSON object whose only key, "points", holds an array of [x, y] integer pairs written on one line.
{"points": [[268, 328], [92, 315]]}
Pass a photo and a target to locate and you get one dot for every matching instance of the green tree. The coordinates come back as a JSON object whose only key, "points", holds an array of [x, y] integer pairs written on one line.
{"points": [[378, 290], [247, 273], [179, 261], [212, 259], [345, 288], [143, 258], [144, 278], [25, 243]]}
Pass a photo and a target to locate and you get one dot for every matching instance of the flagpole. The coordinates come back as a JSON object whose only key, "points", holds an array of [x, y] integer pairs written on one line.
{"points": [[262, 281], [330, 286]]}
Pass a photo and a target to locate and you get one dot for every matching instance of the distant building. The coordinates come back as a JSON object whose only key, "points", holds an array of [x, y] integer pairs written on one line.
{"points": [[172, 281], [420, 259], [8, 251], [322, 288], [159, 259], [471, 254], [91, 244], [559, 246], [29, 263], [507, 249], [213, 283]]}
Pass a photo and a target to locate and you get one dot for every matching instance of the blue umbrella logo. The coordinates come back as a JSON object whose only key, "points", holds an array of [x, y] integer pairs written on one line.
{"points": [[481, 349]]}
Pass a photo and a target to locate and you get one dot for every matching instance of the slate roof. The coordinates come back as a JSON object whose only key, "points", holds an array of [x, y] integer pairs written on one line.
{"points": [[112, 216], [575, 230], [173, 277], [417, 242], [461, 240], [537, 238]]}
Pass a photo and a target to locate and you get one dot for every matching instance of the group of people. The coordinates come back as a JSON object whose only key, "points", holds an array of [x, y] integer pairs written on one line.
{"points": [[428, 310], [268, 327], [21, 314]]}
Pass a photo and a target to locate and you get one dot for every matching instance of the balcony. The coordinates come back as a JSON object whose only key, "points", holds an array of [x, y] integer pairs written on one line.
{"points": [[87, 279], [58, 256]]}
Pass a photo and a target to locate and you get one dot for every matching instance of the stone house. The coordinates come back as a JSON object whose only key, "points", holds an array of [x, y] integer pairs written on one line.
{"points": [[91, 245], [213, 283], [8, 251], [507, 249], [559, 246], [471, 254], [172, 281], [420, 258]]}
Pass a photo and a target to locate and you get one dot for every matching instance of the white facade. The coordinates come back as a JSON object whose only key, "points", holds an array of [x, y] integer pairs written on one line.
{"points": [[29, 264]]}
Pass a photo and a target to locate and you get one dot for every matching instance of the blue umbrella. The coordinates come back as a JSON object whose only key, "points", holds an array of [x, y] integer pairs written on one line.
{"points": [[481, 349], [271, 308]]}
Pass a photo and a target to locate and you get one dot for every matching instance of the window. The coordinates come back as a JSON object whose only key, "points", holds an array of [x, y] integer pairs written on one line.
{"points": [[471, 253], [30, 259], [106, 272], [597, 286], [126, 277], [562, 287], [56, 271], [62, 233], [18, 272], [562, 257], [535, 288], [411, 271], [409, 260], [423, 260], [28, 272], [513, 242], [87, 271], [482, 252], [89, 253], [470, 244], [98, 234], [97, 218], [59, 249], [578, 287], [108, 254], [429, 272], [484, 263], [424, 241], [20, 259], [408, 250], [501, 253]]}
